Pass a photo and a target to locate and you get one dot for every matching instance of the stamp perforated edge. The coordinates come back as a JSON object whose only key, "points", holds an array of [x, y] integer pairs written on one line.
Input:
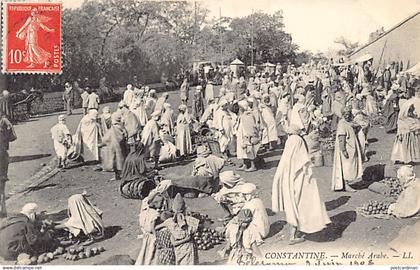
{"points": [[3, 59]]}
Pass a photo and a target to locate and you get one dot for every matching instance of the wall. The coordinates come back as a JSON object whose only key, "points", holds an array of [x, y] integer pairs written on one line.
{"points": [[402, 44]]}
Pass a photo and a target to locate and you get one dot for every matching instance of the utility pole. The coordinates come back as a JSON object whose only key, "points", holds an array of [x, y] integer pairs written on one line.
{"points": [[194, 30], [252, 38], [220, 35]]}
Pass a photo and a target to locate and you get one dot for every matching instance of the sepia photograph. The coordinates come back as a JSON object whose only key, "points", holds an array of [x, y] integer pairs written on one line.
{"points": [[218, 132]]}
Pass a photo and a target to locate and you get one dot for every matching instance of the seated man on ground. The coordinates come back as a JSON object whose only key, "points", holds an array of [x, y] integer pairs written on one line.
{"points": [[207, 164], [408, 202], [20, 234], [229, 197]]}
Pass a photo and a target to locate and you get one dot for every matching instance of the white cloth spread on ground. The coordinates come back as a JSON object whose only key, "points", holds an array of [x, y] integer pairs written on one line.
{"points": [[84, 217]]}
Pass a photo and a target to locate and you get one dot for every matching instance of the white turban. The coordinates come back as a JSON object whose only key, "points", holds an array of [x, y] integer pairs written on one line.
{"points": [[29, 208]]}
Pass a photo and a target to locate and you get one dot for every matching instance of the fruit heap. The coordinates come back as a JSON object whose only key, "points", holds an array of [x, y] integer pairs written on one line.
{"points": [[78, 253], [375, 208], [378, 120], [206, 238], [47, 257], [394, 184], [327, 143], [202, 218]]}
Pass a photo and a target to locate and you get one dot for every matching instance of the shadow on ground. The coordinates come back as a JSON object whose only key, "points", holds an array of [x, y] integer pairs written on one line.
{"points": [[334, 204], [276, 227], [373, 173], [27, 158], [111, 231], [335, 229]]}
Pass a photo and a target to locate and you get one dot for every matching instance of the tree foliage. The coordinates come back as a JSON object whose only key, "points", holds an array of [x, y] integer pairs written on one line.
{"points": [[120, 39]]}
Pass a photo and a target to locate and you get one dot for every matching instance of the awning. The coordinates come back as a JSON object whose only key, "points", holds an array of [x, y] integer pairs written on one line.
{"points": [[363, 58], [415, 70], [237, 62], [268, 64]]}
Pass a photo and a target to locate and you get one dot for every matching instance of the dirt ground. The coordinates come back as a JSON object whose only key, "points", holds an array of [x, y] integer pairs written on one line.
{"points": [[121, 215]]}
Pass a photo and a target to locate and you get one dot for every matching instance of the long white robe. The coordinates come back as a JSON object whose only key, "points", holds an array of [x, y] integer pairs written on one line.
{"points": [[128, 97], [183, 134], [87, 135], [295, 191], [346, 169], [259, 227], [246, 129], [150, 137], [224, 122], [209, 93], [269, 132], [139, 110], [59, 132]]}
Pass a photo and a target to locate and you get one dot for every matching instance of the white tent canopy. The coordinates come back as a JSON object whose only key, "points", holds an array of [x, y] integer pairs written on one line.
{"points": [[415, 70], [237, 62], [363, 58], [268, 64]]}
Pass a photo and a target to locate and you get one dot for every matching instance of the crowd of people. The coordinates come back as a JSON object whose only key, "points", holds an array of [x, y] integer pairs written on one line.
{"points": [[292, 108]]}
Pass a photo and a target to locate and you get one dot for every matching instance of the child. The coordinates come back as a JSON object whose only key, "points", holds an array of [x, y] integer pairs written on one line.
{"points": [[62, 140], [238, 246], [93, 100], [85, 100], [115, 150], [182, 228], [151, 207], [183, 133], [105, 120]]}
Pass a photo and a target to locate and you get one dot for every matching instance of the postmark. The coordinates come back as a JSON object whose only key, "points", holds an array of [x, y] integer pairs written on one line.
{"points": [[31, 37]]}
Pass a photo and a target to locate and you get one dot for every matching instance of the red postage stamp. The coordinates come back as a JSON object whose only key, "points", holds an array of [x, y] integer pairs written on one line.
{"points": [[31, 37]]}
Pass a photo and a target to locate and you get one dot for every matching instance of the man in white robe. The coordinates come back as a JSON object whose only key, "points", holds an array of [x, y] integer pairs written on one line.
{"points": [[347, 167], [62, 140], [269, 132], [150, 137], [87, 137], [296, 192], [183, 132], [224, 122], [248, 137], [129, 95]]}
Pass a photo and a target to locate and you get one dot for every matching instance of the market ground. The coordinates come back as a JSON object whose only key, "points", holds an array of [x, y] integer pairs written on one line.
{"points": [[347, 230]]}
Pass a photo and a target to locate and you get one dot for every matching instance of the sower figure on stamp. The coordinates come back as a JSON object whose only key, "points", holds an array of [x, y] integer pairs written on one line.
{"points": [[35, 55]]}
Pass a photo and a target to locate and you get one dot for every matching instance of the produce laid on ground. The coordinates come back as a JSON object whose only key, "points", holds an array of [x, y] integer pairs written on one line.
{"points": [[377, 120], [375, 209], [394, 184], [389, 186], [204, 219], [47, 256], [327, 150], [79, 253], [207, 238]]}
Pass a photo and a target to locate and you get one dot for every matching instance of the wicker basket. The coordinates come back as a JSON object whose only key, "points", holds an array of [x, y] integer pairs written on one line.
{"points": [[328, 156], [214, 147], [328, 151]]}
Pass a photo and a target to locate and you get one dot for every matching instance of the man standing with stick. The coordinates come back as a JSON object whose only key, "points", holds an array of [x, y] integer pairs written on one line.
{"points": [[7, 135]]}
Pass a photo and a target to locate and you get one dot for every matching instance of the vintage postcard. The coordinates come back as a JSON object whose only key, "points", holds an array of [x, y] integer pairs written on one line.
{"points": [[221, 132], [31, 37]]}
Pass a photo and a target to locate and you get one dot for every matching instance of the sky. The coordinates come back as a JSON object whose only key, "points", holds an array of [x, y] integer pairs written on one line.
{"points": [[314, 24]]}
